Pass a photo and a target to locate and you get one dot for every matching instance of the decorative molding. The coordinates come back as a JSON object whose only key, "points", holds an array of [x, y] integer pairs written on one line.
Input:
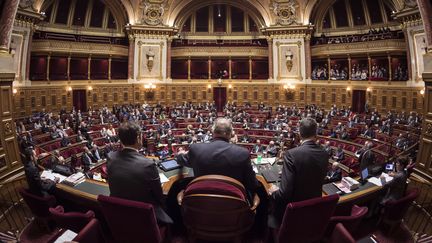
{"points": [[55, 46], [285, 11], [150, 32], [291, 32], [219, 51], [428, 129], [359, 47], [8, 127], [152, 11]]}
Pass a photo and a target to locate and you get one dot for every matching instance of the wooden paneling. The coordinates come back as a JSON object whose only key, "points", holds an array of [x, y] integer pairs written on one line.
{"points": [[395, 98], [9, 154]]}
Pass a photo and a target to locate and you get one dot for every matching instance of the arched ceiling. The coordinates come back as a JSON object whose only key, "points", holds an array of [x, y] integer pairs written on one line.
{"points": [[132, 10]]}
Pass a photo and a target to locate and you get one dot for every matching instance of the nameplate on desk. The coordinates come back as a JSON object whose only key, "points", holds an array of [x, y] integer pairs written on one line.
{"points": [[264, 161]]}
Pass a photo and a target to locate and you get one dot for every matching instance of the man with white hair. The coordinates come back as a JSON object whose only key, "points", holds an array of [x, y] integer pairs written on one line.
{"points": [[219, 157]]}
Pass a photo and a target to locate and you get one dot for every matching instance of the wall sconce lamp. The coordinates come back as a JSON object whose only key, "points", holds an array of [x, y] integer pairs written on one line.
{"points": [[369, 92], [149, 90], [14, 91], [149, 87], [348, 89], [90, 88], [289, 91], [422, 92], [68, 90], [209, 86]]}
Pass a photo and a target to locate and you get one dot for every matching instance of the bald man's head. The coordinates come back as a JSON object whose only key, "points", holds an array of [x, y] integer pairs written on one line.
{"points": [[222, 127]]}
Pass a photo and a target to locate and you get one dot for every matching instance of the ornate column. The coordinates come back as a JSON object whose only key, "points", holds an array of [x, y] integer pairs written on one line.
{"points": [[328, 67], [270, 56], [68, 67], [250, 68], [9, 152], [209, 68], [424, 156], [229, 67], [109, 68], [27, 74], [389, 67], [48, 67], [349, 67], [88, 67], [7, 19], [131, 57], [308, 57], [370, 67], [189, 68], [169, 42]]}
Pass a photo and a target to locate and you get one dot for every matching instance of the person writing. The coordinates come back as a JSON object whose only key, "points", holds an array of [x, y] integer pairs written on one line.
{"points": [[303, 173], [132, 176]]}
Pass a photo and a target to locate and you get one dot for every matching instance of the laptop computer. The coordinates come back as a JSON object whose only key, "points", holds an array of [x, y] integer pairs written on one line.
{"points": [[364, 175]]}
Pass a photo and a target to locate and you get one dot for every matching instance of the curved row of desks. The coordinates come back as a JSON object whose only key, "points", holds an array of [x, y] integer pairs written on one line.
{"points": [[87, 191]]}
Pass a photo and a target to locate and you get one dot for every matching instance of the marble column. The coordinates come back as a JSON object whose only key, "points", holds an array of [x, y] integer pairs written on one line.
{"points": [[424, 156], [169, 42], [308, 57], [7, 19], [131, 57], [270, 56]]}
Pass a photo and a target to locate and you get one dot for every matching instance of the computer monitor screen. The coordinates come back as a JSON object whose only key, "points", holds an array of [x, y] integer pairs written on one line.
{"points": [[169, 165], [389, 167], [364, 174]]}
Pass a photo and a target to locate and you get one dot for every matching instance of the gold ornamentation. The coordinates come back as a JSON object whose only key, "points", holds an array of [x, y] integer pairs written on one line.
{"points": [[152, 12], [285, 12], [7, 127], [428, 130]]}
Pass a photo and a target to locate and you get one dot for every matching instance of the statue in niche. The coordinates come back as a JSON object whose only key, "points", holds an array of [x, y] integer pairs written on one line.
{"points": [[289, 60], [150, 59]]}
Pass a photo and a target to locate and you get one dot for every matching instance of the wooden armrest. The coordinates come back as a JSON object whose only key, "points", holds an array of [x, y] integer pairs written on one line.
{"points": [[180, 197], [256, 202]]}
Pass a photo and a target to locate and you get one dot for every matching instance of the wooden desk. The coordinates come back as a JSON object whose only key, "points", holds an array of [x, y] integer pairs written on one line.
{"points": [[90, 189]]}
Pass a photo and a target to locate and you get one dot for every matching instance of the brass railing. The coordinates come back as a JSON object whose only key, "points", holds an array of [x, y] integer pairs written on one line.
{"points": [[418, 219], [14, 213]]}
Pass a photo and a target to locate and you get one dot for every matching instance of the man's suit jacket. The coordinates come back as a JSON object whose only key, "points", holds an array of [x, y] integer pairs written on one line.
{"points": [[35, 183], [366, 159], [335, 175], [221, 158], [303, 174], [132, 176]]}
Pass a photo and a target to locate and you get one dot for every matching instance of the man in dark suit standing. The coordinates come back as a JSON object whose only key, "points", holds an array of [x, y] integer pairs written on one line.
{"points": [[303, 173], [219, 157], [367, 159], [132, 176]]}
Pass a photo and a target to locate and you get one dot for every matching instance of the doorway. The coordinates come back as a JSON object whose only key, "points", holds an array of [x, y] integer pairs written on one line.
{"points": [[219, 97], [358, 101], [79, 100]]}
